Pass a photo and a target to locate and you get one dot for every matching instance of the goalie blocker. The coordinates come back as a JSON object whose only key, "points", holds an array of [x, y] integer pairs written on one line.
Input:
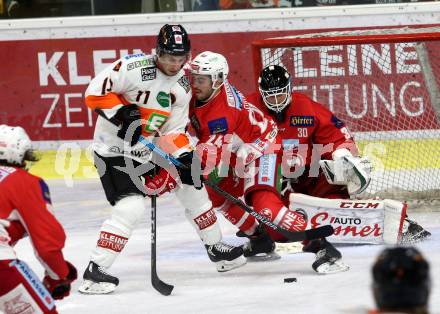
{"points": [[354, 221]]}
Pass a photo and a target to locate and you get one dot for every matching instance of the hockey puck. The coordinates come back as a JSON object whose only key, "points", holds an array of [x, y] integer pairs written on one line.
{"points": [[291, 279]]}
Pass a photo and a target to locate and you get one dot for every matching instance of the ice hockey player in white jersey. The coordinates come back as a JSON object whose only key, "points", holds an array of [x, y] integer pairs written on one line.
{"points": [[145, 95]]}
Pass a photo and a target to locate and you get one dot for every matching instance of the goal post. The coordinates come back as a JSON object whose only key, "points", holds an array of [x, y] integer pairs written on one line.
{"points": [[384, 84]]}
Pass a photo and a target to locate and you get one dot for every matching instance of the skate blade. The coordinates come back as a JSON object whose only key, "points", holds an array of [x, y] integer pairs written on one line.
{"points": [[224, 266], [263, 257], [332, 268], [90, 287], [289, 248]]}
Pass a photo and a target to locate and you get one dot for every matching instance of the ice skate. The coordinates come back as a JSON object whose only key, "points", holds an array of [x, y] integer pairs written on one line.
{"points": [[413, 232], [226, 257], [97, 280], [328, 258], [260, 247]]}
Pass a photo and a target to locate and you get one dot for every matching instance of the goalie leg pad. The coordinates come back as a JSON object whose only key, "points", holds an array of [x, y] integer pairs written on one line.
{"points": [[354, 221], [394, 216]]}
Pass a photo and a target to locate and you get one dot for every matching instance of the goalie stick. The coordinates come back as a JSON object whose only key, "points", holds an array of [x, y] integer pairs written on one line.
{"points": [[292, 236]]}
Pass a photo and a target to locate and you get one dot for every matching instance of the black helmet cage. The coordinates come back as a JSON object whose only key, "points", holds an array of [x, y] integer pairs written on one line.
{"points": [[274, 80]]}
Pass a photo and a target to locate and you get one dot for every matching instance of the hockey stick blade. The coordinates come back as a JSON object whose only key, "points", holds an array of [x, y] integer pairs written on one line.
{"points": [[162, 287], [293, 236]]}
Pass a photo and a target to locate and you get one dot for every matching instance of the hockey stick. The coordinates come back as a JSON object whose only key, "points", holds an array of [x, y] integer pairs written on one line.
{"points": [[158, 284], [293, 236]]}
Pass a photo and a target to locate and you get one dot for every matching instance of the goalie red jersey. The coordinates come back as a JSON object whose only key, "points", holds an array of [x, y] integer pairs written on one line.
{"points": [[309, 132], [307, 122]]}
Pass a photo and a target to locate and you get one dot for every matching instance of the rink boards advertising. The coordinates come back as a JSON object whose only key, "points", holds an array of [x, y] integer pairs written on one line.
{"points": [[44, 80]]}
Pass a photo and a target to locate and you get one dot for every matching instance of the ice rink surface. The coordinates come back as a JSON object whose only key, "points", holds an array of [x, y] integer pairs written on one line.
{"points": [[199, 288]]}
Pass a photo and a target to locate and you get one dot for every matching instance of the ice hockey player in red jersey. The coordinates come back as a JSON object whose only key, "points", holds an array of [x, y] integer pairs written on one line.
{"points": [[244, 140], [25, 211], [148, 95], [305, 125]]}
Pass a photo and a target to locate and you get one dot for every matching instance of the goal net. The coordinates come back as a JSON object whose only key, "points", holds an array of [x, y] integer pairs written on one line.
{"points": [[384, 84]]}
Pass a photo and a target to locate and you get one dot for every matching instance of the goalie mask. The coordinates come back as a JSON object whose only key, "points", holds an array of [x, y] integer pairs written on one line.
{"points": [[401, 279], [173, 40], [275, 87], [15, 146], [211, 64]]}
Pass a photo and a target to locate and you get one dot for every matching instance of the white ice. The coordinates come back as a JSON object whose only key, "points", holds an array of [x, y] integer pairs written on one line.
{"points": [[199, 288]]}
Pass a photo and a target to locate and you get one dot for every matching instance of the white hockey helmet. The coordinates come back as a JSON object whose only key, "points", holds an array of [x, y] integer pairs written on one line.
{"points": [[15, 145], [212, 64]]}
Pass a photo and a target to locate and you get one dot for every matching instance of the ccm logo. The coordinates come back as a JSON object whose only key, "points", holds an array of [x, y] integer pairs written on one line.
{"points": [[358, 205]]}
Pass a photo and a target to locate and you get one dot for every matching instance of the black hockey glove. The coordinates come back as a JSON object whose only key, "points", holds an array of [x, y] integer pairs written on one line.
{"points": [[192, 175], [129, 118]]}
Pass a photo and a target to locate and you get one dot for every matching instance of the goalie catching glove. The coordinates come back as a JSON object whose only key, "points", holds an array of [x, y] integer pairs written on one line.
{"points": [[346, 169]]}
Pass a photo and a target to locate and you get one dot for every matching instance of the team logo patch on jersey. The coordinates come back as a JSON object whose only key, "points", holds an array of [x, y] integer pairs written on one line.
{"points": [[148, 74], [139, 64], [184, 82], [155, 121], [218, 126], [302, 120], [163, 99], [45, 191], [338, 123]]}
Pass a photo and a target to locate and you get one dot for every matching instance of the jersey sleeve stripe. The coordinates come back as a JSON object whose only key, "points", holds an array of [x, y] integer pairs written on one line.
{"points": [[105, 102]]}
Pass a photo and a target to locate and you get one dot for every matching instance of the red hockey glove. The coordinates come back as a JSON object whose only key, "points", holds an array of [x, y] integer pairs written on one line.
{"points": [[60, 288], [161, 183]]}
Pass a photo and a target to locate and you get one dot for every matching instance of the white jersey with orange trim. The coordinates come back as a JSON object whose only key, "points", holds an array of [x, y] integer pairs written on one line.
{"points": [[135, 79]]}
